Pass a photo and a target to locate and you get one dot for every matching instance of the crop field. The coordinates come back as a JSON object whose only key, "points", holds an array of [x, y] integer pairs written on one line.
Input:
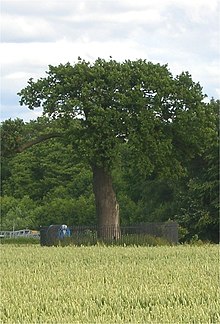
{"points": [[100, 284]]}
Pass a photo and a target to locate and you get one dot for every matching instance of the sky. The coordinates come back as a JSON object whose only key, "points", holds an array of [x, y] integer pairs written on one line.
{"points": [[185, 34]]}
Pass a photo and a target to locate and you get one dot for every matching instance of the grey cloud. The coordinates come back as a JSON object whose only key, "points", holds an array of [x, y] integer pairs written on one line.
{"points": [[56, 7], [72, 31], [35, 8], [96, 20], [14, 36], [193, 35]]}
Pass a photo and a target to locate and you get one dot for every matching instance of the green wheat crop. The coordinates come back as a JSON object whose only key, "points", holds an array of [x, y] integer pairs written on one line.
{"points": [[110, 284]]}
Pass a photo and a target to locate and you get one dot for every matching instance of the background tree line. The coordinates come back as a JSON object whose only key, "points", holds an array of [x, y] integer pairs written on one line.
{"points": [[52, 182]]}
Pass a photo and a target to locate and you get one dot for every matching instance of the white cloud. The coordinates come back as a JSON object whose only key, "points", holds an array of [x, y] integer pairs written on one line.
{"points": [[146, 16], [184, 33], [24, 29]]}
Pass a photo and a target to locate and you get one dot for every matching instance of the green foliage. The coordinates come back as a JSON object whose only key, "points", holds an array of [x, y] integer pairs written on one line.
{"points": [[198, 201], [41, 170], [20, 241], [11, 136], [73, 211], [134, 101], [17, 213], [198, 210]]}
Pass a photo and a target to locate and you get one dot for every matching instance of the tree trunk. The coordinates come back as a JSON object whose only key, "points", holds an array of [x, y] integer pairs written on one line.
{"points": [[107, 208]]}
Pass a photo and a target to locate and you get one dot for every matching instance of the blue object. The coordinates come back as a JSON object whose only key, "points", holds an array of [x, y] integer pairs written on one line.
{"points": [[64, 231]]}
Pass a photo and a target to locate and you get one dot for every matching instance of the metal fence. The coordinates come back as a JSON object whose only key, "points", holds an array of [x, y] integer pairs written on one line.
{"points": [[141, 234], [20, 233]]}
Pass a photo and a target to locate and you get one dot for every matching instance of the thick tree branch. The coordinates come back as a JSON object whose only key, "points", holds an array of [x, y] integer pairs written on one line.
{"points": [[37, 140]]}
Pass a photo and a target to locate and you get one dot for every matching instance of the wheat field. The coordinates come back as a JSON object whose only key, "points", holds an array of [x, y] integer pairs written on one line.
{"points": [[101, 284]]}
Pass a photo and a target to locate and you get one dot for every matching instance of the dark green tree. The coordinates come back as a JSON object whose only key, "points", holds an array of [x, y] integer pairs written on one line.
{"points": [[193, 198], [134, 103], [198, 199], [17, 214]]}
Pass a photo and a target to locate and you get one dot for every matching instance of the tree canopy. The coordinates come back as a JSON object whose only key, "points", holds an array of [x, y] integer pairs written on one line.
{"points": [[131, 121], [135, 101]]}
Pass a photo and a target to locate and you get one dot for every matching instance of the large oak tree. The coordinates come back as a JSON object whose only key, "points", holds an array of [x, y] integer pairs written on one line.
{"points": [[106, 104]]}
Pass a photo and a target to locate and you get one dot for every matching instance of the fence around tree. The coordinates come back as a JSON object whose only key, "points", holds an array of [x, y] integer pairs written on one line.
{"points": [[139, 234]]}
